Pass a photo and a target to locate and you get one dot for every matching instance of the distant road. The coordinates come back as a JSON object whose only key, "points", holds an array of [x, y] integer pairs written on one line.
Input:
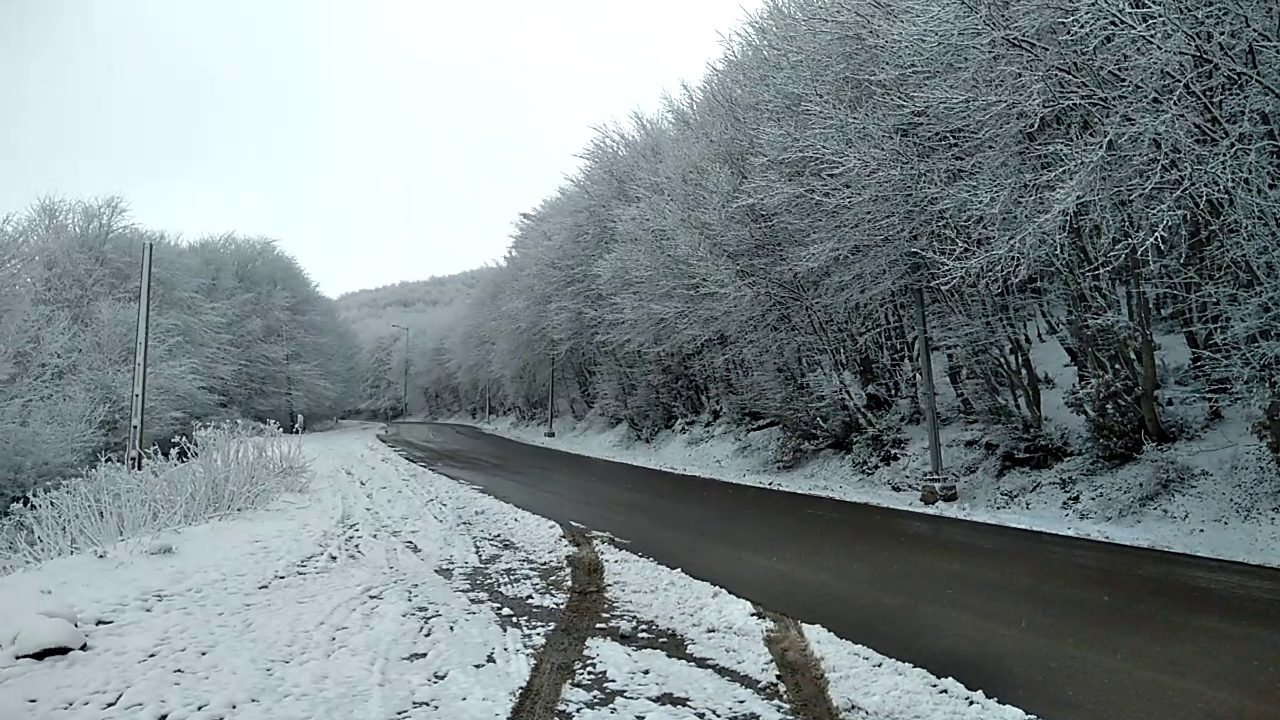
{"points": [[1064, 628]]}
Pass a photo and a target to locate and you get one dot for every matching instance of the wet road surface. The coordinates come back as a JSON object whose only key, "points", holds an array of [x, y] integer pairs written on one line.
{"points": [[1064, 628]]}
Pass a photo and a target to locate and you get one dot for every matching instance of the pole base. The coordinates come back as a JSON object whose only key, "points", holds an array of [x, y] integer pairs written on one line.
{"points": [[939, 488], [929, 494]]}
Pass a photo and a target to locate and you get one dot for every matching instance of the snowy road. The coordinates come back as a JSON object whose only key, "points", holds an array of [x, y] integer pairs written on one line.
{"points": [[389, 592], [1067, 628]]}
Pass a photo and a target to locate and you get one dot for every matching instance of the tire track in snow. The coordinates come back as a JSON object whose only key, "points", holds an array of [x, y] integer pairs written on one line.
{"points": [[554, 665], [799, 668]]}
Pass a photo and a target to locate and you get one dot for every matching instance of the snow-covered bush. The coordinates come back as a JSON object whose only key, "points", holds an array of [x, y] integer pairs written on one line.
{"points": [[1188, 417], [1256, 490], [232, 466], [1157, 473], [869, 452], [1109, 404]]}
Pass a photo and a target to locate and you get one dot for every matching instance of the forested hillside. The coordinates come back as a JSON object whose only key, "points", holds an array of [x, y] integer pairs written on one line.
{"points": [[1095, 178], [432, 310], [238, 330]]}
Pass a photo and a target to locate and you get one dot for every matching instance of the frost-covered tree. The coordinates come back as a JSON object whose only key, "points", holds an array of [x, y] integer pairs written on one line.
{"points": [[1097, 173], [237, 330]]}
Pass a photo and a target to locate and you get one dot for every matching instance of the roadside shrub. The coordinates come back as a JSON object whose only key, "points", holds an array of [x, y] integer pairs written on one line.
{"points": [[1157, 474], [1110, 407], [1038, 450], [231, 467], [1256, 494]]}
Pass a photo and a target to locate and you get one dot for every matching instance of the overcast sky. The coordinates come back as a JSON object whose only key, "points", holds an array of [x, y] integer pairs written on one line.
{"points": [[378, 141]]}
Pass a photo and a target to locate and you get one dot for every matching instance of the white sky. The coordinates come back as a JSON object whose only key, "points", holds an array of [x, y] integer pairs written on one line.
{"points": [[379, 141]]}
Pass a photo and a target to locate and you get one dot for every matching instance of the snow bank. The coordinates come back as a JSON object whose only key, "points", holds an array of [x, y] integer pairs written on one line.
{"points": [[238, 466], [716, 625], [41, 635], [645, 681], [862, 679]]}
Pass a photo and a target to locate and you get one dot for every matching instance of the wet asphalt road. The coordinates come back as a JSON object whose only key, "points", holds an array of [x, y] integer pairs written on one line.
{"points": [[1064, 628]]}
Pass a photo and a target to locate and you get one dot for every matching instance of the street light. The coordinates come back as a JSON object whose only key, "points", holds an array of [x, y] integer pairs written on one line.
{"points": [[551, 402], [551, 394], [405, 411], [936, 486]]}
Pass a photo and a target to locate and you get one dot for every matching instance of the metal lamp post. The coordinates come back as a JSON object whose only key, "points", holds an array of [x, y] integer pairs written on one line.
{"points": [[936, 486], [551, 402]]}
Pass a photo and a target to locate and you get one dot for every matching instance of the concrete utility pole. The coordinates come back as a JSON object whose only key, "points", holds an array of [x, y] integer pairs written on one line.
{"points": [[551, 401], [405, 411], [133, 453], [935, 488]]}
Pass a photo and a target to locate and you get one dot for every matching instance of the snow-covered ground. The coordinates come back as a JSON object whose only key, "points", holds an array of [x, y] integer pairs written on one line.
{"points": [[387, 591], [317, 607], [1216, 496]]}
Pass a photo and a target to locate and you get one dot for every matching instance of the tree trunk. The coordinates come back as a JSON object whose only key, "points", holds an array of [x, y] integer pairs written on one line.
{"points": [[955, 376], [1079, 352], [1147, 352], [1031, 384], [912, 391], [1049, 323]]}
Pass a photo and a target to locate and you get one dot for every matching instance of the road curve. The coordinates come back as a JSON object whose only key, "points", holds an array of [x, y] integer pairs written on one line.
{"points": [[1064, 628]]}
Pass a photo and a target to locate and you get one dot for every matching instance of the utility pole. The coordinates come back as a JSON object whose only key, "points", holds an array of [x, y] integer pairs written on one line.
{"points": [[288, 379], [935, 488], [405, 412], [551, 401], [486, 401], [133, 453]]}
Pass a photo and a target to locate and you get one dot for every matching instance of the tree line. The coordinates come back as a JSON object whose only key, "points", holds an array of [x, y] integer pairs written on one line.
{"points": [[1100, 172], [238, 330]]}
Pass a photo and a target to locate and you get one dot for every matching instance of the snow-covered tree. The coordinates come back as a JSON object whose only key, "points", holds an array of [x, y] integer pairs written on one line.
{"points": [[237, 330], [1096, 173]]}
